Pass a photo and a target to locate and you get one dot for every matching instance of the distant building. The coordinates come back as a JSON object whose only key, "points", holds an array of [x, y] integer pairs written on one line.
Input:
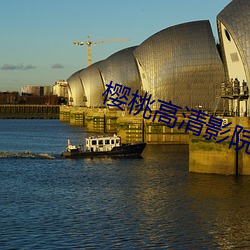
{"points": [[9, 97], [30, 90], [40, 100], [47, 90], [37, 90], [38, 95], [60, 89]]}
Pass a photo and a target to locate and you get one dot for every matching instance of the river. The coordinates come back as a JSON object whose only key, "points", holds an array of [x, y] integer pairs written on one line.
{"points": [[48, 202]]}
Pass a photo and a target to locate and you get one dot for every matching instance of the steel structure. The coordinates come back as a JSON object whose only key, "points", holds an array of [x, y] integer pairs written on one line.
{"points": [[89, 43], [76, 92], [93, 85], [181, 64], [121, 69], [234, 32]]}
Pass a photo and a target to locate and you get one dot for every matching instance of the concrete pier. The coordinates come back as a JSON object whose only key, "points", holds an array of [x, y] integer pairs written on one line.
{"points": [[18, 111], [207, 156], [160, 133], [131, 128], [64, 113]]}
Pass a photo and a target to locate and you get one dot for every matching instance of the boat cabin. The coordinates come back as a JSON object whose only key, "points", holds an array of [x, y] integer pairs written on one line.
{"points": [[102, 143]]}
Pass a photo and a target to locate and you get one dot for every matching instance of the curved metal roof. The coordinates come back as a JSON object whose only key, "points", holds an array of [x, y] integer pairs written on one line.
{"points": [[76, 90], [181, 64], [93, 85], [236, 18], [121, 69]]}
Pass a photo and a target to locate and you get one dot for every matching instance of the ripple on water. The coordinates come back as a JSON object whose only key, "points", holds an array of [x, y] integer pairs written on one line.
{"points": [[145, 203]]}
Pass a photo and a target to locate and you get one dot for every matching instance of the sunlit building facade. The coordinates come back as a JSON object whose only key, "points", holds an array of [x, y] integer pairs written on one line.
{"points": [[37, 90], [60, 89]]}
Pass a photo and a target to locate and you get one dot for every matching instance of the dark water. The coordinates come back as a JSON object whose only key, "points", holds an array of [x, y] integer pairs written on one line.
{"points": [[148, 203]]}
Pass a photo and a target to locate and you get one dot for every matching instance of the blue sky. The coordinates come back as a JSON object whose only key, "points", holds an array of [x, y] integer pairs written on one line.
{"points": [[36, 35]]}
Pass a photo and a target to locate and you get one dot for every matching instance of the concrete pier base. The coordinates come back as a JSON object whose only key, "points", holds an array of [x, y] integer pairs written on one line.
{"points": [[64, 114], [207, 156], [131, 128], [76, 118], [160, 133]]}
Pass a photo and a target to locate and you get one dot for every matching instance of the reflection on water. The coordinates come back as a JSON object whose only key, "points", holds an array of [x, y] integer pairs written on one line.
{"points": [[106, 203], [224, 201]]}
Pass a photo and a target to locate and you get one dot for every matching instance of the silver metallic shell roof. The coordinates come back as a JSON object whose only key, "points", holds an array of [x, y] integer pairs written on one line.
{"points": [[121, 68], [93, 85], [236, 18], [181, 64], [76, 90]]}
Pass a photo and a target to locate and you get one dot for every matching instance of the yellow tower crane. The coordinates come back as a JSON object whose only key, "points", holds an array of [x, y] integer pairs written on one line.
{"points": [[89, 43]]}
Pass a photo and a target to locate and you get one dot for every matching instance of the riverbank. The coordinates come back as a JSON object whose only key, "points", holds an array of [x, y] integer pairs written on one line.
{"points": [[25, 111]]}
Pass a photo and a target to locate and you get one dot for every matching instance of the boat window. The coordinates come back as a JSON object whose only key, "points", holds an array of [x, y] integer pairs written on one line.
{"points": [[100, 142], [107, 142], [112, 142], [93, 142], [117, 141]]}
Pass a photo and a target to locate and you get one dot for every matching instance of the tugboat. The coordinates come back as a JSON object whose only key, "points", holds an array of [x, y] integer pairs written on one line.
{"points": [[96, 146]]}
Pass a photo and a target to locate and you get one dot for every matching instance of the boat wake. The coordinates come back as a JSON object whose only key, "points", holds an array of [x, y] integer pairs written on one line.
{"points": [[26, 154]]}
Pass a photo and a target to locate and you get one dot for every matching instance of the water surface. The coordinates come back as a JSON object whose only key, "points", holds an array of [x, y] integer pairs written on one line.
{"points": [[104, 203]]}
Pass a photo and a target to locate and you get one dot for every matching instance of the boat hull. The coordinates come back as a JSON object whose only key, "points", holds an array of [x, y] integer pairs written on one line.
{"points": [[126, 150]]}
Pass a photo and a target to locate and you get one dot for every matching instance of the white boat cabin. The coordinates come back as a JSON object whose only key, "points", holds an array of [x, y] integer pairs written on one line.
{"points": [[102, 143]]}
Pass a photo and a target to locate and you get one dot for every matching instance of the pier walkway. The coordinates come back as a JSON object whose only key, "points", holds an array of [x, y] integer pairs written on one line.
{"points": [[25, 111]]}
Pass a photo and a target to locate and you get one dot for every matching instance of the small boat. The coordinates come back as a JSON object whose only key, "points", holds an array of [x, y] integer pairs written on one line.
{"points": [[96, 146]]}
